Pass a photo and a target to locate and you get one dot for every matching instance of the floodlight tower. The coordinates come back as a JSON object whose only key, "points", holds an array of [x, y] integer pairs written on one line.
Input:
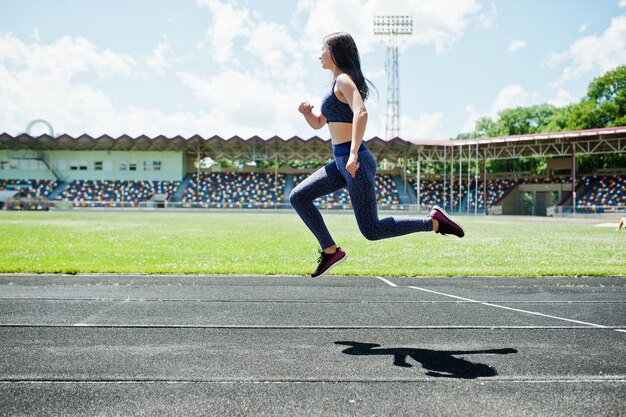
{"points": [[392, 28]]}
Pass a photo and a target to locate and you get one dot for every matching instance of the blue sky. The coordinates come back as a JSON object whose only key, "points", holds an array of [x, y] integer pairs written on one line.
{"points": [[221, 67]]}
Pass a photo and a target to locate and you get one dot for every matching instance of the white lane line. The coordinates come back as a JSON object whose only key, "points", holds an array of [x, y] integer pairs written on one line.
{"points": [[600, 326], [386, 281], [447, 295]]}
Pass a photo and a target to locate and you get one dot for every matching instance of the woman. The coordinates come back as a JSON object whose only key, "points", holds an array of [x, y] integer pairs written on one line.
{"points": [[354, 167]]}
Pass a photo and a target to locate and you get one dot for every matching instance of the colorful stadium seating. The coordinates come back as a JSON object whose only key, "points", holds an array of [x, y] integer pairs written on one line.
{"points": [[81, 192], [235, 190], [603, 191], [432, 190], [30, 188], [248, 190], [386, 194]]}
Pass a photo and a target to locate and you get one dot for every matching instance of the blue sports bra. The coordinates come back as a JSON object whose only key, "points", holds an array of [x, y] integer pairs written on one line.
{"points": [[334, 110]]}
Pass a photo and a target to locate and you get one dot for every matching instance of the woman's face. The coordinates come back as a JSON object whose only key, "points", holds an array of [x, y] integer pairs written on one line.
{"points": [[325, 58]]}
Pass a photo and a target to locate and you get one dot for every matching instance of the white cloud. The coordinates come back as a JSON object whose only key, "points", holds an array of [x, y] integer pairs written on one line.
{"points": [[595, 53], [472, 116], [514, 45], [227, 24], [277, 50], [621, 3], [512, 96], [437, 23], [583, 28], [39, 81], [485, 20], [246, 104], [426, 126], [66, 57], [563, 98], [157, 61], [272, 46], [57, 81]]}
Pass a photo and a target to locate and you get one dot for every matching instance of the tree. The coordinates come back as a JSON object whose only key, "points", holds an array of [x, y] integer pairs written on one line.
{"points": [[522, 121], [484, 126], [605, 102]]}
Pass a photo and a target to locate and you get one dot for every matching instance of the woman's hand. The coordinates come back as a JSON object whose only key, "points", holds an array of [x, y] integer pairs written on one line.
{"points": [[305, 108], [316, 122], [352, 165]]}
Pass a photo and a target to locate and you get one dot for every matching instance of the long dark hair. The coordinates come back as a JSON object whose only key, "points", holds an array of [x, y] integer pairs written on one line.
{"points": [[345, 55]]}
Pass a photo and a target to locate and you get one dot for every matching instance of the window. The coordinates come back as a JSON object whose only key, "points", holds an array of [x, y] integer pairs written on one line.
{"points": [[132, 166], [147, 165], [156, 165], [97, 166], [83, 165], [73, 165], [122, 166], [5, 165]]}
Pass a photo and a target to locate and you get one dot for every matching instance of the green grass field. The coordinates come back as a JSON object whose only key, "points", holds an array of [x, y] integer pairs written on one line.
{"points": [[278, 243]]}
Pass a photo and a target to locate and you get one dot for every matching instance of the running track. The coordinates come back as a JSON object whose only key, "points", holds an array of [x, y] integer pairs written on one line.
{"points": [[354, 346]]}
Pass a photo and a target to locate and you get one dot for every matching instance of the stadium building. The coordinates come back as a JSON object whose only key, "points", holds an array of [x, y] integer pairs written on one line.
{"points": [[65, 171]]}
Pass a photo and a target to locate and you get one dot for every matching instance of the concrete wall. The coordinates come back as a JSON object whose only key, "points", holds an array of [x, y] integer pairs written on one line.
{"points": [[92, 165], [540, 198]]}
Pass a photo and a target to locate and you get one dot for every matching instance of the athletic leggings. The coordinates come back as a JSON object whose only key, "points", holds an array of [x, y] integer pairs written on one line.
{"points": [[362, 191]]}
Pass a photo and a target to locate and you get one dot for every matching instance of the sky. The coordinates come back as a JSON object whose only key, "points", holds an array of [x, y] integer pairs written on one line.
{"points": [[227, 67]]}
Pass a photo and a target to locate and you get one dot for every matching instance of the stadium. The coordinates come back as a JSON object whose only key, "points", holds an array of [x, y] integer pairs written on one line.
{"points": [[153, 264], [160, 172]]}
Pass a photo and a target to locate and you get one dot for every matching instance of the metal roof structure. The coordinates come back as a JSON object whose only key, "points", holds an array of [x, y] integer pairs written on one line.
{"points": [[593, 141]]}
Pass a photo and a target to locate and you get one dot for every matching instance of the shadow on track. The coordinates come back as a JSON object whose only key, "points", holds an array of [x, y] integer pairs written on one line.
{"points": [[439, 363]]}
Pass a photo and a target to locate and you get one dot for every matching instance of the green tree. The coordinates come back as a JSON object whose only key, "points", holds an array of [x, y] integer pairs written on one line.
{"points": [[484, 127], [605, 102], [558, 121]]}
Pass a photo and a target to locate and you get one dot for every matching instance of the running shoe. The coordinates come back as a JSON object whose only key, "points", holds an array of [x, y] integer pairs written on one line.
{"points": [[326, 261], [447, 226]]}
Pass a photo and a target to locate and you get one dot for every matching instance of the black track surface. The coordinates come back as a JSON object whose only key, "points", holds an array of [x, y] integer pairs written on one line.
{"points": [[205, 345]]}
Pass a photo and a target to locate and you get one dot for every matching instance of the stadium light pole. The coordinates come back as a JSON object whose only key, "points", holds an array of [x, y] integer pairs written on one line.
{"points": [[392, 27]]}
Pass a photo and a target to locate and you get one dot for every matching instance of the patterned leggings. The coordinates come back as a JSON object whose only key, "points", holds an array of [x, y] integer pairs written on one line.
{"points": [[362, 191]]}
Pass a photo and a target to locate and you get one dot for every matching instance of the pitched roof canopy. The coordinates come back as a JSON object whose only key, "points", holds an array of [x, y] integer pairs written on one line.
{"points": [[593, 141]]}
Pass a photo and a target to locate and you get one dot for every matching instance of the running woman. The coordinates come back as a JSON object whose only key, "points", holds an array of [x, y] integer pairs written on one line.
{"points": [[354, 167]]}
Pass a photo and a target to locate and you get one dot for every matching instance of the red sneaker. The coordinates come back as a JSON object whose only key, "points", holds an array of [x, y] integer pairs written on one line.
{"points": [[446, 224], [329, 261]]}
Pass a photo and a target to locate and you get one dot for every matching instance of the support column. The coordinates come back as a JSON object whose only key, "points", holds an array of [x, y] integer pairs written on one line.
{"points": [[198, 173], [485, 196], [460, 175], [469, 182], [573, 178], [445, 174], [418, 184], [476, 182], [452, 179]]}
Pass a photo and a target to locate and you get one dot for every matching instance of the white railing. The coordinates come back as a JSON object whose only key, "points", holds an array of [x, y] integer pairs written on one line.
{"points": [[561, 210], [67, 205], [157, 205], [412, 208]]}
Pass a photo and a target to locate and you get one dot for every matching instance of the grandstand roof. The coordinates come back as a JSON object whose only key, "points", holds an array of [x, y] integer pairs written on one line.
{"points": [[593, 141]]}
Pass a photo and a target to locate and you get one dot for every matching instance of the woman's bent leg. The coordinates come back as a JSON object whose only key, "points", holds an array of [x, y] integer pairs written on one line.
{"points": [[362, 189], [324, 181]]}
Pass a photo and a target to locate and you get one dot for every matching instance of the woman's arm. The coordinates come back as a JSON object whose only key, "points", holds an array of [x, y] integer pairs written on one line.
{"points": [[316, 122], [359, 121]]}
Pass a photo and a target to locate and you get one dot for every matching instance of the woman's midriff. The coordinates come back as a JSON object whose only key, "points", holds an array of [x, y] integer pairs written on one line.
{"points": [[340, 132]]}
